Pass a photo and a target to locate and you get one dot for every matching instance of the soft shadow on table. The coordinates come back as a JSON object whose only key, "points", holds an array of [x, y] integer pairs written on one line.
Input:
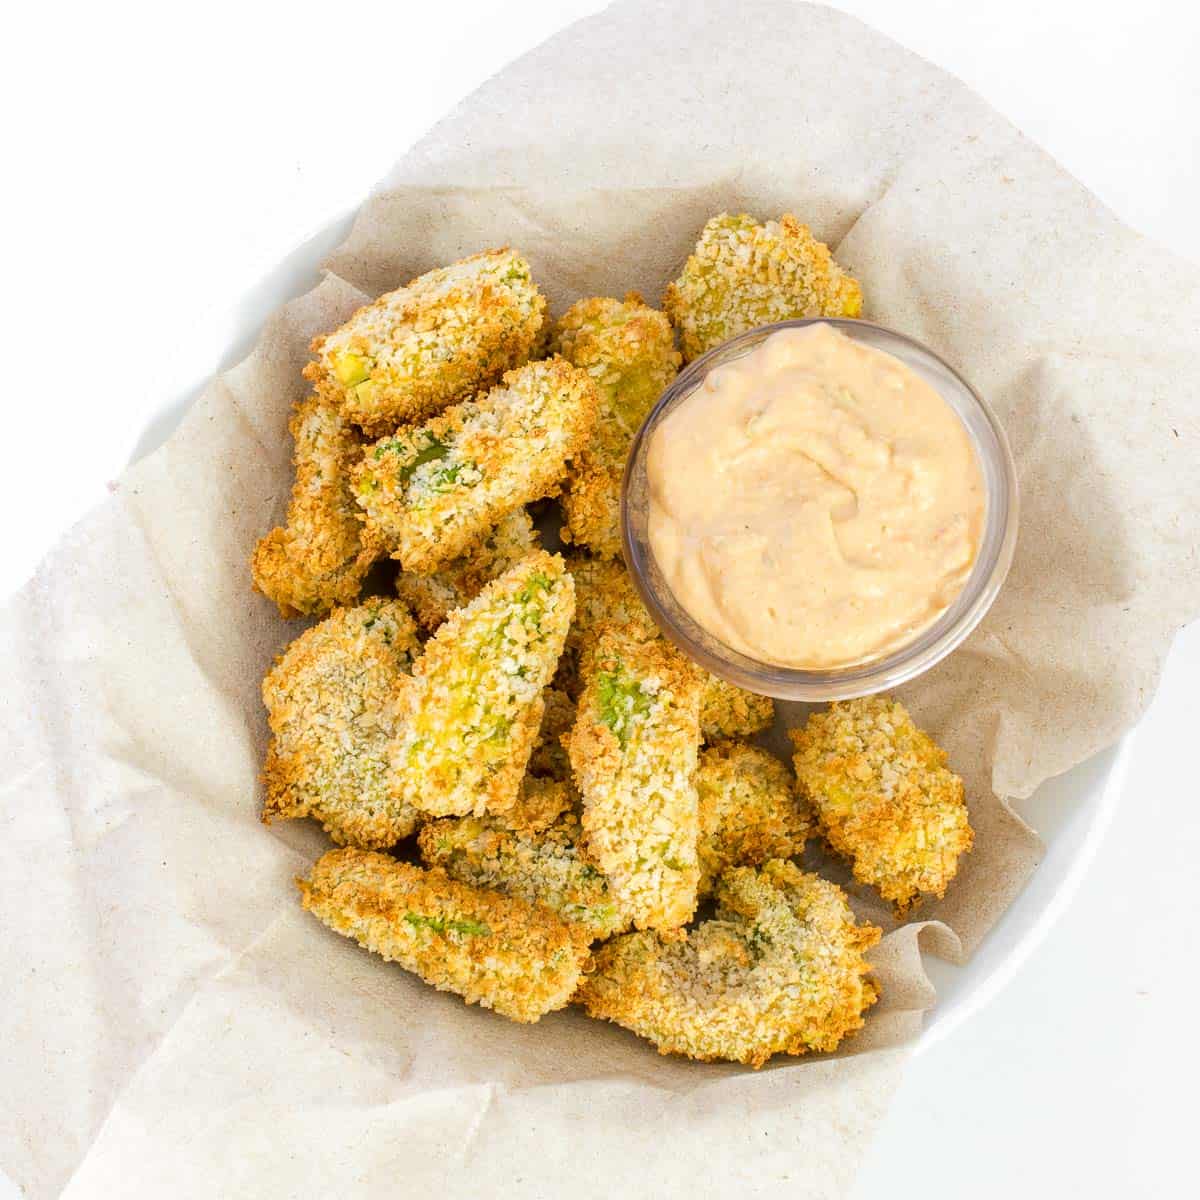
{"points": [[292, 276]]}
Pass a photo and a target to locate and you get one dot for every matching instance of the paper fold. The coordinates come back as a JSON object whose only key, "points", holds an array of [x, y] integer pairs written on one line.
{"points": [[175, 1023]]}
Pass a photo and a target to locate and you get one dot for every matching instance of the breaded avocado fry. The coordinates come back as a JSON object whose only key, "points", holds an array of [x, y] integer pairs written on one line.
{"points": [[331, 703], [317, 560], [743, 274], [468, 723], [883, 797], [780, 970], [447, 335], [542, 866], [629, 351], [729, 711], [434, 597], [432, 492], [605, 595], [748, 810], [493, 950], [633, 752]]}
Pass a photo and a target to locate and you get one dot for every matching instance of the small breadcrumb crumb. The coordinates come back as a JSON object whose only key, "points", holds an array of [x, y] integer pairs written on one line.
{"points": [[331, 703], [748, 810], [433, 492], [780, 970], [497, 951], [628, 349], [743, 274], [633, 752], [433, 598], [468, 723], [451, 332], [317, 560], [883, 797]]}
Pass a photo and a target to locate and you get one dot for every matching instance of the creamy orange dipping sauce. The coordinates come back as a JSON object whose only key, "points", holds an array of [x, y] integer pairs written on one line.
{"points": [[815, 503]]}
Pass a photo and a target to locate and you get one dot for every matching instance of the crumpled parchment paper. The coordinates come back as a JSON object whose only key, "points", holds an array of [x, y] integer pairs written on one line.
{"points": [[176, 1025]]}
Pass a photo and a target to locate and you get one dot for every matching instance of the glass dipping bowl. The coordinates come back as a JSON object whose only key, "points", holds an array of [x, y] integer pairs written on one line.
{"points": [[928, 646]]}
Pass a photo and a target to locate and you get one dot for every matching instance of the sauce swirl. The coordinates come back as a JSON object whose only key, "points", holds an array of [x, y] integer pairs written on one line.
{"points": [[815, 503]]}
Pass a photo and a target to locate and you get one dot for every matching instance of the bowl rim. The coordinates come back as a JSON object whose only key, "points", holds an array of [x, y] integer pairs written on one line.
{"points": [[906, 662]]}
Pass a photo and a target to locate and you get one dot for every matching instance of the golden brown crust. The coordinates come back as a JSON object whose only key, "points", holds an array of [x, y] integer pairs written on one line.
{"points": [[549, 757], [432, 492], [448, 334], [780, 970], [433, 598], [633, 752], [468, 724], [883, 797], [728, 711], [605, 595], [331, 703], [318, 559], [628, 349], [493, 950], [542, 865], [749, 812], [743, 274]]}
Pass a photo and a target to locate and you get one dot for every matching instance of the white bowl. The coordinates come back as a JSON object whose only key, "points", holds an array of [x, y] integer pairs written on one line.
{"points": [[1071, 812]]}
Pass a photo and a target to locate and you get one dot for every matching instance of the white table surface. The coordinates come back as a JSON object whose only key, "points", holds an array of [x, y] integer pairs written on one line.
{"points": [[244, 139]]}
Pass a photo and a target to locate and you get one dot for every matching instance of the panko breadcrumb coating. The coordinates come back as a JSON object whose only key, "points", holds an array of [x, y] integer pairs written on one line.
{"points": [[543, 866], [540, 802], [317, 560], [549, 757], [433, 598], [331, 703], [883, 797], [633, 752], [780, 970], [448, 334], [496, 951], [468, 723], [605, 595], [748, 810], [743, 274], [629, 350], [432, 492], [727, 711]]}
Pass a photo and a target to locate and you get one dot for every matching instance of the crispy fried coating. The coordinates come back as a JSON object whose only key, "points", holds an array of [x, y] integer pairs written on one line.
{"points": [[743, 274], [540, 802], [447, 335], [497, 951], [331, 703], [729, 711], [748, 810], [549, 758], [468, 723], [605, 595], [432, 492], [433, 598], [542, 866], [318, 559], [629, 350], [883, 797], [633, 753], [780, 970]]}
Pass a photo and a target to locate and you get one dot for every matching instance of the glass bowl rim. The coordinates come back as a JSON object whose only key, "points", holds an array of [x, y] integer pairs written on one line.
{"points": [[887, 671]]}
